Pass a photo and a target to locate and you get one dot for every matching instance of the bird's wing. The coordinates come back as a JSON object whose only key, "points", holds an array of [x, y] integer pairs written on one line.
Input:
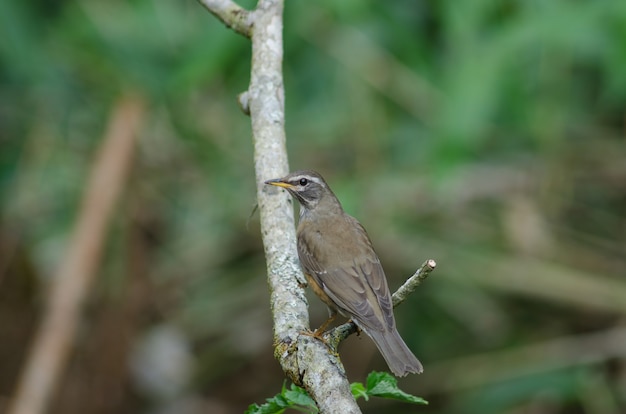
{"points": [[356, 285]]}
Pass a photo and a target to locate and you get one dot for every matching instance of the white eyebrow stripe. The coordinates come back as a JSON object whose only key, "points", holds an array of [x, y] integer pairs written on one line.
{"points": [[308, 177]]}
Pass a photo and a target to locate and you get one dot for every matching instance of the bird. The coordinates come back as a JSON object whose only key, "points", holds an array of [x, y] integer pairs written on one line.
{"points": [[342, 268]]}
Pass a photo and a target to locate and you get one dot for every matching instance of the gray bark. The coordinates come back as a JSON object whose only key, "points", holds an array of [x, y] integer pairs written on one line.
{"points": [[305, 360]]}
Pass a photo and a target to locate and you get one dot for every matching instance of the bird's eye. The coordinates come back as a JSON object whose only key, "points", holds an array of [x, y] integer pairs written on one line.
{"points": [[303, 181]]}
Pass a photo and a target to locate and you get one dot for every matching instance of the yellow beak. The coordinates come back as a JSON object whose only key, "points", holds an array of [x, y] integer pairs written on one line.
{"points": [[278, 183]]}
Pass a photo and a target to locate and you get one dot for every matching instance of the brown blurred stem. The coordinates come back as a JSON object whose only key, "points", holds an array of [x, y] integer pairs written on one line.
{"points": [[341, 332], [70, 286]]}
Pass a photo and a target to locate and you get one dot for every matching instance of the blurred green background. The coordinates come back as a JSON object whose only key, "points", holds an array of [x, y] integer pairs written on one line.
{"points": [[487, 135]]}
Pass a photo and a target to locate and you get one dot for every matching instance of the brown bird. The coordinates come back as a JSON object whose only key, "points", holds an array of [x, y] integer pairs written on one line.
{"points": [[343, 269]]}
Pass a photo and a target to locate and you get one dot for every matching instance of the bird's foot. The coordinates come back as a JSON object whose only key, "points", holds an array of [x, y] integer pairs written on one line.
{"points": [[318, 334]]}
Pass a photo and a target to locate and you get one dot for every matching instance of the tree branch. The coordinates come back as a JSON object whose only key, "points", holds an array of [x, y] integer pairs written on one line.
{"points": [[413, 282], [305, 360], [231, 14]]}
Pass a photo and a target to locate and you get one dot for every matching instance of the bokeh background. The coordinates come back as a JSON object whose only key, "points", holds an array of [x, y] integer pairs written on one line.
{"points": [[488, 135]]}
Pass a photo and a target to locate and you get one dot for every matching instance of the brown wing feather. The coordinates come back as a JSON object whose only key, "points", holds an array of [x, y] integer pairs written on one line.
{"points": [[358, 288]]}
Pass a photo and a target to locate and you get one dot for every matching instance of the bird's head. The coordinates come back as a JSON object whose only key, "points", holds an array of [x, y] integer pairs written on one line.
{"points": [[308, 187]]}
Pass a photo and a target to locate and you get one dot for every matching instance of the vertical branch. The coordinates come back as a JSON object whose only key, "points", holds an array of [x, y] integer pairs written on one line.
{"points": [[265, 100], [53, 340], [306, 361]]}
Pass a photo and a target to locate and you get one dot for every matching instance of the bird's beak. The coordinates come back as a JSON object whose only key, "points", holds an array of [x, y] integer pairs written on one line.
{"points": [[278, 182]]}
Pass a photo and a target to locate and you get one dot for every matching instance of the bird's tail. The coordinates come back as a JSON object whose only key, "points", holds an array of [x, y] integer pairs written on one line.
{"points": [[399, 357]]}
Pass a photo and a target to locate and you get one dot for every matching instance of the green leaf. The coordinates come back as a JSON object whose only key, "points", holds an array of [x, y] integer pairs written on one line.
{"points": [[268, 408], [382, 384], [274, 405], [358, 390], [379, 384], [297, 396]]}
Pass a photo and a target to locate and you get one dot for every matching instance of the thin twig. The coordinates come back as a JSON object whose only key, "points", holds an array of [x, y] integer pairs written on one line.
{"points": [[413, 282], [231, 14], [53, 341]]}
